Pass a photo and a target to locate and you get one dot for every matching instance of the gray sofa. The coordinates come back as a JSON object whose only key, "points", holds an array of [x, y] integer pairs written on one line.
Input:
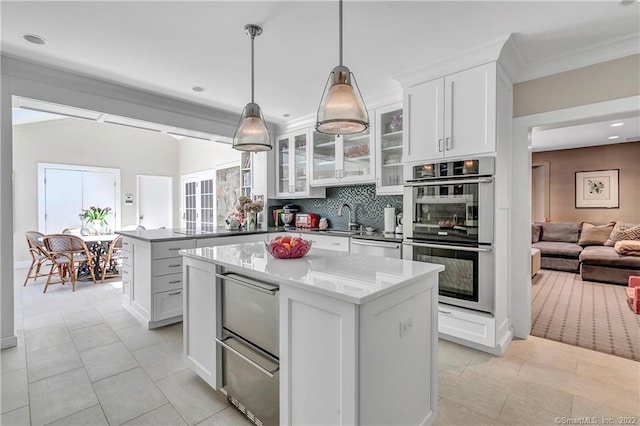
{"points": [[558, 244]]}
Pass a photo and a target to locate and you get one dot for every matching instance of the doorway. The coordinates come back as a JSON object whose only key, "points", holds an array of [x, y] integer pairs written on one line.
{"points": [[155, 201], [540, 192]]}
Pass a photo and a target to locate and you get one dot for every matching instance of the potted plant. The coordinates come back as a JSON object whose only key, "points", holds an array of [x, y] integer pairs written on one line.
{"points": [[96, 215]]}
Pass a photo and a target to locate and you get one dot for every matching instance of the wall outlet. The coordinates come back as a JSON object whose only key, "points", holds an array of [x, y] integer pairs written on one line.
{"points": [[406, 326]]}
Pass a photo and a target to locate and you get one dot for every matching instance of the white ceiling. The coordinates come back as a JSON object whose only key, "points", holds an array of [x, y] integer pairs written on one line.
{"points": [[168, 47]]}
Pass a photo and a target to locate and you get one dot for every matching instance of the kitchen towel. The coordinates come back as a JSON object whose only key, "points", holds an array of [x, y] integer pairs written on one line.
{"points": [[389, 219]]}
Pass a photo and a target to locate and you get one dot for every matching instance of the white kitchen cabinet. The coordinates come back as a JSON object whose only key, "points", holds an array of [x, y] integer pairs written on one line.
{"points": [[292, 167], [388, 150], [452, 116], [127, 270], [470, 326], [339, 160], [328, 242]]}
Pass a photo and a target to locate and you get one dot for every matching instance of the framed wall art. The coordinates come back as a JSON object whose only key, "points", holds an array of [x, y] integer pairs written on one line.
{"points": [[597, 189]]}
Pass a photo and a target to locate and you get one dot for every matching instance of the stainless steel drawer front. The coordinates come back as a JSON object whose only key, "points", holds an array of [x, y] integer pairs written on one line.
{"points": [[245, 380], [250, 310]]}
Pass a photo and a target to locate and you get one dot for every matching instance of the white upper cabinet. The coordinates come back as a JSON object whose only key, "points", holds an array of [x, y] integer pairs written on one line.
{"points": [[292, 167], [452, 116], [341, 160], [388, 150]]}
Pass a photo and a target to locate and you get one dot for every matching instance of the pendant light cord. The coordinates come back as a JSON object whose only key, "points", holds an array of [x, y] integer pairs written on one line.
{"points": [[252, 77], [340, 37]]}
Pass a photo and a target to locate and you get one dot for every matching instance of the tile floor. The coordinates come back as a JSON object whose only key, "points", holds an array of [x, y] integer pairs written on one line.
{"points": [[83, 360]]}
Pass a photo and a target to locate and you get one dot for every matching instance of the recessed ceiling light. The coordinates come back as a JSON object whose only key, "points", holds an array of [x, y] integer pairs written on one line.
{"points": [[613, 137], [34, 38], [197, 89], [617, 124], [286, 115]]}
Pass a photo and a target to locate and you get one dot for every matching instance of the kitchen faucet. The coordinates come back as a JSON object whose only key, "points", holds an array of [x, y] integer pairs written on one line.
{"points": [[350, 224]]}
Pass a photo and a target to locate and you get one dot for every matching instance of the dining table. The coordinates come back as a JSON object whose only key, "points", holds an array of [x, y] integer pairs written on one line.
{"points": [[98, 246]]}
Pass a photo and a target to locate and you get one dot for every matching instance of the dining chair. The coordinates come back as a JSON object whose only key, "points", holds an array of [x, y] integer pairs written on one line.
{"points": [[38, 252], [113, 257], [67, 253]]}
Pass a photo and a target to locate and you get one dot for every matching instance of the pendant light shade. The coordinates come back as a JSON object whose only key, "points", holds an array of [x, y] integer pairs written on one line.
{"points": [[252, 133], [342, 110]]}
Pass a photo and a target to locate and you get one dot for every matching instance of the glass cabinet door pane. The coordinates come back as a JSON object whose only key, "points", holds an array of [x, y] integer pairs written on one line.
{"points": [[300, 162], [283, 165], [357, 154], [324, 156], [391, 148]]}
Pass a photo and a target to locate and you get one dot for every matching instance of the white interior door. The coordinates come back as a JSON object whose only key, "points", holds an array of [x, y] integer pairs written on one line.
{"points": [[155, 201], [62, 200]]}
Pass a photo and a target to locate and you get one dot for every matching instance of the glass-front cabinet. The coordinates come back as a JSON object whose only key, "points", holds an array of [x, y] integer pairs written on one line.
{"points": [[342, 159], [389, 176], [292, 166]]}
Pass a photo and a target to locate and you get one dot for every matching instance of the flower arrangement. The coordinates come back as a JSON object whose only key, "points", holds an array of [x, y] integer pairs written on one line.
{"points": [[246, 205], [95, 215]]}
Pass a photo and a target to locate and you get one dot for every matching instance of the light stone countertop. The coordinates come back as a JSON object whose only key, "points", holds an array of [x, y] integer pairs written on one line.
{"points": [[355, 278], [156, 235]]}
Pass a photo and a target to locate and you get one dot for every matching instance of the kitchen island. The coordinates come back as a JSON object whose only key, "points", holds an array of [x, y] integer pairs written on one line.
{"points": [[357, 334], [152, 268]]}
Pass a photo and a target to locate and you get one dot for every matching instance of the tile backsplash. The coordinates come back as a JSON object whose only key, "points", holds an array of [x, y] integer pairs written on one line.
{"points": [[367, 208]]}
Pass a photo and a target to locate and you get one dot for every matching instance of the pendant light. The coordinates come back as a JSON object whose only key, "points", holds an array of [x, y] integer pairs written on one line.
{"points": [[342, 110], [252, 134]]}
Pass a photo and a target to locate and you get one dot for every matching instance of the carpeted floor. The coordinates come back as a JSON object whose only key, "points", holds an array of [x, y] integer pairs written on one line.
{"points": [[584, 313]]}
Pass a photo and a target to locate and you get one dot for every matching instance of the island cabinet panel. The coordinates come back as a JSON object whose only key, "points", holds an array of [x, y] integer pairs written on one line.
{"points": [[392, 333], [200, 319], [318, 349], [127, 270], [141, 291]]}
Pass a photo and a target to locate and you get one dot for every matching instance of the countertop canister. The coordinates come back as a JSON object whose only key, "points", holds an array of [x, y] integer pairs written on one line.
{"points": [[389, 219]]}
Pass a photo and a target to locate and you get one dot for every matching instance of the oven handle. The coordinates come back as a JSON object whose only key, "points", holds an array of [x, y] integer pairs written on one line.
{"points": [[443, 246], [448, 182], [260, 368]]}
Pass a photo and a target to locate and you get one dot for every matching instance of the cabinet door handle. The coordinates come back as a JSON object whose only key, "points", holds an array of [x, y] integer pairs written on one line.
{"points": [[445, 312], [175, 266], [439, 145], [378, 182], [174, 249], [175, 293], [336, 173], [335, 244], [449, 144], [175, 282]]}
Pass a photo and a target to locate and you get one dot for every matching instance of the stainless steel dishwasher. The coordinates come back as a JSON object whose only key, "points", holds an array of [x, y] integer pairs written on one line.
{"points": [[376, 248], [249, 341]]}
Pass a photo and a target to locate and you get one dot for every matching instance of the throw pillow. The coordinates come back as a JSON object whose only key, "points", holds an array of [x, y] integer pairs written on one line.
{"points": [[615, 234], [628, 247], [630, 234], [535, 233], [593, 235]]}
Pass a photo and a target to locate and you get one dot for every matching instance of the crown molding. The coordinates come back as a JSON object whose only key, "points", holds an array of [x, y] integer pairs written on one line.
{"points": [[607, 51]]}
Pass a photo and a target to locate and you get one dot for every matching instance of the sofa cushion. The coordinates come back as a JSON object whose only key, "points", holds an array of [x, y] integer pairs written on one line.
{"points": [[566, 232], [615, 233], [592, 235], [535, 233], [630, 234], [607, 256], [551, 248]]}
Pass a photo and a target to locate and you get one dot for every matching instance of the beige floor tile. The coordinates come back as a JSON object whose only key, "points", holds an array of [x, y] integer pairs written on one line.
{"points": [[119, 319], [105, 361], [14, 390], [51, 361], [583, 407], [19, 417], [128, 395], [45, 337], [12, 359], [83, 319], [230, 416], [38, 303], [73, 307], [194, 399], [110, 306], [544, 352], [137, 337], [627, 378], [519, 411], [93, 337], [452, 413], [92, 416], [482, 397], [161, 360], [60, 396], [163, 416], [44, 319]]}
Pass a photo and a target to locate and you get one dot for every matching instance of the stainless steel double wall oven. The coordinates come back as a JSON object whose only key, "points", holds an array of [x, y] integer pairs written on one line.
{"points": [[449, 218]]}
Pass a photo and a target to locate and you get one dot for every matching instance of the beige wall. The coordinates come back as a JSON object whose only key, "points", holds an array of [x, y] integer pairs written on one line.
{"points": [[563, 165], [605, 81], [86, 143]]}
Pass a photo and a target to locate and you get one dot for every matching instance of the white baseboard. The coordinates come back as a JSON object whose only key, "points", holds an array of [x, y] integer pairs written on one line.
{"points": [[9, 342]]}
